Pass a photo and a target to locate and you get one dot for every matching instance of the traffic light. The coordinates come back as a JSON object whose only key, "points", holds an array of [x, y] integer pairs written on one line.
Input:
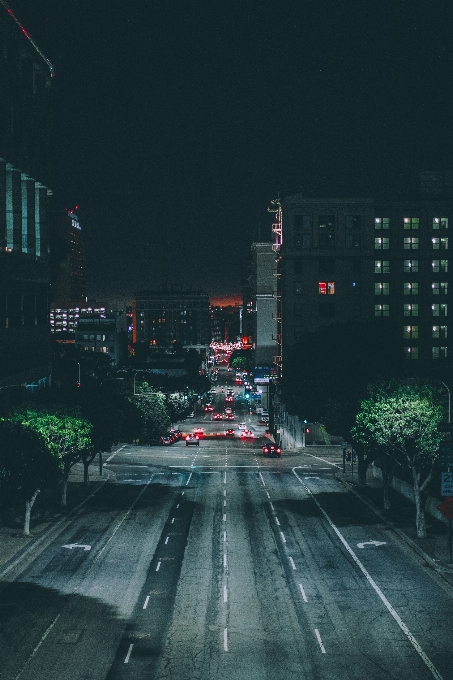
{"points": [[306, 430]]}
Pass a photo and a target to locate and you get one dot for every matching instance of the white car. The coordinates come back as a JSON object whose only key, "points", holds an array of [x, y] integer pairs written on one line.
{"points": [[242, 426]]}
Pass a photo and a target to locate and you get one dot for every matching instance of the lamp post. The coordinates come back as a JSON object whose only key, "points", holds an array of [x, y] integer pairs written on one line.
{"points": [[449, 398]]}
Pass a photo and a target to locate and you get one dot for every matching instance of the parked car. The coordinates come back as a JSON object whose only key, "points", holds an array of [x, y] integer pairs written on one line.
{"points": [[270, 449], [218, 416], [229, 416], [192, 440], [176, 432], [167, 439]]}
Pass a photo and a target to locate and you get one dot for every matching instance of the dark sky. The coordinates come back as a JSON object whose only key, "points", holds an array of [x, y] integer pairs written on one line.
{"points": [[177, 121]]}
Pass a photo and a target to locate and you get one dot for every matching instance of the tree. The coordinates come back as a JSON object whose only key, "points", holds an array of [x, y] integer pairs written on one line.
{"points": [[400, 421], [26, 465], [239, 364], [152, 405]]}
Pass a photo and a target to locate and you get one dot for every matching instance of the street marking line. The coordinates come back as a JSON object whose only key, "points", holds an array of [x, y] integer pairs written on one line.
{"points": [[224, 518], [46, 633], [225, 639], [283, 536], [268, 494], [177, 506], [224, 560], [129, 652], [375, 587], [158, 566], [225, 594], [166, 540], [304, 597], [320, 641], [224, 536], [189, 479], [272, 506], [292, 562], [224, 503], [146, 602], [224, 477], [278, 523], [262, 480]]}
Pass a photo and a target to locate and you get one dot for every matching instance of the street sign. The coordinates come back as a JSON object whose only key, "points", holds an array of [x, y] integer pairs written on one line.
{"points": [[446, 507], [444, 427], [446, 483], [446, 453]]}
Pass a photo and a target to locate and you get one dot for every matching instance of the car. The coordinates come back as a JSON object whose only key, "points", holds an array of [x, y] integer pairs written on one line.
{"points": [[176, 433], [167, 439], [229, 416], [208, 408], [192, 440], [229, 432], [271, 449], [228, 410], [247, 434], [263, 421], [199, 431], [218, 416], [242, 426]]}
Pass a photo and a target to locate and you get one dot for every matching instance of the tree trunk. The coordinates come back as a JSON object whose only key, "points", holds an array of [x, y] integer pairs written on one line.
{"points": [[387, 503], [362, 467], [388, 470], [28, 507], [420, 522], [64, 492], [85, 472]]}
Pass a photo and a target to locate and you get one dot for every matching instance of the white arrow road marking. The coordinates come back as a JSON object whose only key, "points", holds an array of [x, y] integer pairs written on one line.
{"points": [[77, 545], [362, 545]]}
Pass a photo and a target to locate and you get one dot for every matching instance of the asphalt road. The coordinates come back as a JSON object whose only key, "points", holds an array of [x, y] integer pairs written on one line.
{"points": [[216, 563]]}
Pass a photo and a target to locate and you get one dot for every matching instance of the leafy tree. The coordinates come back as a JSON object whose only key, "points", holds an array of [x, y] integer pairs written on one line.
{"points": [[239, 364], [26, 465], [400, 421], [177, 406], [152, 405]]}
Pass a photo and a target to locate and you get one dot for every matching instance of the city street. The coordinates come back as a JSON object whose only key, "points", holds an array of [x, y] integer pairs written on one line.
{"points": [[213, 562]]}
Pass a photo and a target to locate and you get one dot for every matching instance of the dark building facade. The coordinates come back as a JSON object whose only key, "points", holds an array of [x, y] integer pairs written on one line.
{"points": [[69, 283], [105, 333], [25, 180]]}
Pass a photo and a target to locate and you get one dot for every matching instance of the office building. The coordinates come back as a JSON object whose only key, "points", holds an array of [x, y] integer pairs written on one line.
{"points": [[105, 333], [69, 283]]}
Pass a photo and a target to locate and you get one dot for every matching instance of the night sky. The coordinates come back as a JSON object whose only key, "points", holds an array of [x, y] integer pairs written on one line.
{"points": [[177, 121]]}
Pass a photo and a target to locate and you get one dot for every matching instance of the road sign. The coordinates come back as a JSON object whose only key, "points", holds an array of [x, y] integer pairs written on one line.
{"points": [[446, 453], [446, 483], [446, 507]]}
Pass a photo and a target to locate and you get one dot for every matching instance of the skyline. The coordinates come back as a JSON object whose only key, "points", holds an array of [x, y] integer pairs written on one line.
{"points": [[177, 124]]}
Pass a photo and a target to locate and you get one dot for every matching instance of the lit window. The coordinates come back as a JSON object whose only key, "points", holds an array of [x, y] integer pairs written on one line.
{"points": [[439, 353], [440, 287], [440, 223], [381, 267], [381, 222], [411, 222], [411, 352], [440, 332], [411, 243], [410, 310], [439, 310], [439, 243], [410, 332], [381, 310], [410, 288], [411, 265], [326, 287], [440, 266], [381, 243], [381, 288]]}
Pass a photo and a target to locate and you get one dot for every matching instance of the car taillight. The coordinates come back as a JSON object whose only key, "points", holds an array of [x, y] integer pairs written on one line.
{"points": [[196, 437]]}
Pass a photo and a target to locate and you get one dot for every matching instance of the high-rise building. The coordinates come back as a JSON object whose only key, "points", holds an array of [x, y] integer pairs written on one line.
{"points": [[25, 180], [69, 282]]}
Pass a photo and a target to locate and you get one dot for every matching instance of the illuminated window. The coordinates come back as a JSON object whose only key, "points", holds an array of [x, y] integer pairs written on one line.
{"points": [[326, 231], [411, 265], [381, 288], [439, 243], [410, 332], [440, 266], [381, 310], [440, 332], [410, 310], [410, 243], [411, 222], [439, 353], [381, 243], [410, 288], [381, 267], [439, 310], [411, 352], [440, 288], [440, 223], [326, 287], [381, 223]]}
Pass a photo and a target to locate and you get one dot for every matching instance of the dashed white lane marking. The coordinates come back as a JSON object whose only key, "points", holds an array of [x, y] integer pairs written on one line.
{"points": [[146, 602], [172, 521], [224, 518], [225, 639], [38, 646], [189, 479], [182, 493], [268, 494], [262, 480], [166, 540], [375, 587], [278, 523], [224, 503], [272, 506], [225, 594], [158, 566], [304, 597], [283, 536], [224, 477], [224, 560], [224, 536], [177, 506], [292, 562], [224, 492], [318, 637], [129, 652]]}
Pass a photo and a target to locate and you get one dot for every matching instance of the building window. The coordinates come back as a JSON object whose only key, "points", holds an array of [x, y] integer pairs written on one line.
{"points": [[411, 222], [381, 243], [381, 267], [410, 288], [381, 288], [297, 287], [411, 243], [326, 231], [410, 310], [326, 287], [410, 332], [353, 230], [381, 222], [327, 311], [440, 266], [440, 332], [439, 310], [411, 352], [439, 353], [411, 266], [439, 243], [440, 288], [381, 310], [440, 223]]}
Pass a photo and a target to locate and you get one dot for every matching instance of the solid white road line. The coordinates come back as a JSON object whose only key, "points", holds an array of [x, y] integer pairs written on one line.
{"points": [[146, 602], [375, 587], [304, 597], [38, 645], [129, 652], [292, 562], [320, 641]]}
